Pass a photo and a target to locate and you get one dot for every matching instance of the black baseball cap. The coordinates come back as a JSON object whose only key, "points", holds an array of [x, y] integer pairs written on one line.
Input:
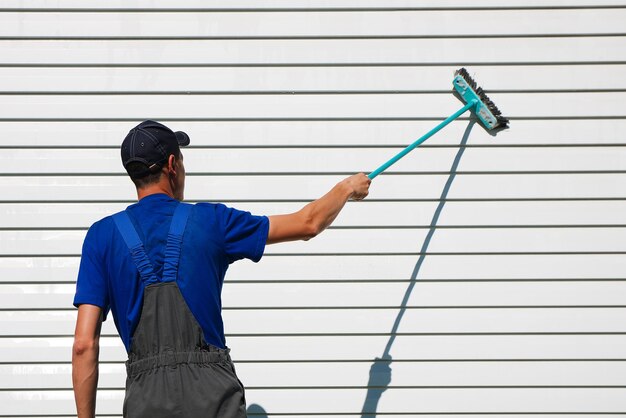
{"points": [[151, 144]]}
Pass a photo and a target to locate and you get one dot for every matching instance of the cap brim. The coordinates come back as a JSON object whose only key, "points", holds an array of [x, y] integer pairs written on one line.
{"points": [[182, 138]]}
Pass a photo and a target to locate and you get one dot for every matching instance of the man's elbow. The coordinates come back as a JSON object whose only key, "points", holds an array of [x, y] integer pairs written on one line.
{"points": [[312, 228], [311, 232], [85, 346]]}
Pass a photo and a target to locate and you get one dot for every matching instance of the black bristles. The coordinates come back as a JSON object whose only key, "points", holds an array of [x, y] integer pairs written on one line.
{"points": [[502, 121]]}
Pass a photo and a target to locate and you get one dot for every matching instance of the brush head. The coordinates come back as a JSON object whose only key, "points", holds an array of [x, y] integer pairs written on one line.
{"points": [[486, 111]]}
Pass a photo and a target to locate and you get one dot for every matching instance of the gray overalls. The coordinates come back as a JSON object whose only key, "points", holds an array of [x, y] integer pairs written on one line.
{"points": [[171, 371]]}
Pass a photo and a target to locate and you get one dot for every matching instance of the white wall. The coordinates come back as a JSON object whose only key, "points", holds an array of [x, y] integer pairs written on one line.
{"points": [[509, 250]]}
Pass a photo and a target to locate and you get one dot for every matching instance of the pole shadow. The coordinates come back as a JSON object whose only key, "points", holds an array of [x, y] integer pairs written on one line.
{"points": [[380, 371]]}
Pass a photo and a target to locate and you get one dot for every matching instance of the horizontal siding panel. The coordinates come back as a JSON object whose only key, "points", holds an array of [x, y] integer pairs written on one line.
{"points": [[351, 348], [256, 412], [50, 269], [424, 23], [417, 374], [342, 295], [28, 349], [323, 133], [408, 347], [274, 161], [438, 268], [268, 4], [601, 239], [307, 79], [224, 188], [462, 241], [332, 401], [424, 415], [356, 321], [336, 375], [449, 401], [47, 269], [355, 214], [53, 403], [260, 413], [439, 294], [438, 106], [424, 321], [423, 51], [57, 376]]}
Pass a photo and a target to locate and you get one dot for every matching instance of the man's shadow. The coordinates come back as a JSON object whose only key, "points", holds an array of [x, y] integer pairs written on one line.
{"points": [[380, 371], [256, 411]]}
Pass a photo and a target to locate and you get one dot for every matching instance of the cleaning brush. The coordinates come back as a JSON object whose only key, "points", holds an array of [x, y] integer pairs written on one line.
{"points": [[475, 100], [488, 113]]}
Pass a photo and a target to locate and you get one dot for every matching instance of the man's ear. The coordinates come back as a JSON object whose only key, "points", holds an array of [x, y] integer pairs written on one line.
{"points": [[171, 165]]}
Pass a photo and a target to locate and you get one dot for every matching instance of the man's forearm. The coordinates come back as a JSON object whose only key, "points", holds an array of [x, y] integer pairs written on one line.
{"points": [[319, 214], [323, 211], [85, 379]]}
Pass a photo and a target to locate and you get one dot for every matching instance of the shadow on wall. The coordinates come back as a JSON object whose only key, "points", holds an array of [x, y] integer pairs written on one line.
{"points": [[256, 411], [380, 371]]}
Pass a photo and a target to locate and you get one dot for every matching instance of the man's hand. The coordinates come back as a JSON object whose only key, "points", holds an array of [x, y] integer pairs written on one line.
{"points": [[360, 184]]}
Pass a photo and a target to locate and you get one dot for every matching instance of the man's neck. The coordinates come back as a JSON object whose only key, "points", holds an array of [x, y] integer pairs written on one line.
{"points": [[156, 188]]}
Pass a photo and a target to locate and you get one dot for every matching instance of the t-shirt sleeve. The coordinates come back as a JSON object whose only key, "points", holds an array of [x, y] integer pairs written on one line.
{"points": [[245, 234], [91, 285]]}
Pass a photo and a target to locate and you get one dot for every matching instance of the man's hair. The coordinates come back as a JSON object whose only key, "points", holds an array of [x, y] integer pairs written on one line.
{"points": [[147, 180]]}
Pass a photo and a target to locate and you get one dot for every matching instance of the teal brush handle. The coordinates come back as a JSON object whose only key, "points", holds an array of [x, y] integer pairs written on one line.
{"points": [[415, 144]]}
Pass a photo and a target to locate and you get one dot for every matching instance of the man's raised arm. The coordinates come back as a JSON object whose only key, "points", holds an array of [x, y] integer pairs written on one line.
{"points": [[319, 214]]}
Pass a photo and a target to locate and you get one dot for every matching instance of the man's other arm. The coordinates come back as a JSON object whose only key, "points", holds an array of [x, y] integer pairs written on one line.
{"points": [[85, 359], [319, 214]]}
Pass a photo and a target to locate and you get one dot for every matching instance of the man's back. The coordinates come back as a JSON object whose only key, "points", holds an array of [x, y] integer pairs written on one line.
{"points": [[215, 236]]}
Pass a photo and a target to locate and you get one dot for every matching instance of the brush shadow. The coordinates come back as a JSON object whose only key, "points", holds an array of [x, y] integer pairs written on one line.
{"points": [[380, 370]]}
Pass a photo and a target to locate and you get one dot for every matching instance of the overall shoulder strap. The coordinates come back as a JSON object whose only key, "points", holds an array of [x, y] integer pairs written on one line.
{"points": [[137, 251], [174, 241]]}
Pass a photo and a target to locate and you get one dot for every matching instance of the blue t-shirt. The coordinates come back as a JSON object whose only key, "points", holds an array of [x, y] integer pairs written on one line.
{"points": [[215, 237]]}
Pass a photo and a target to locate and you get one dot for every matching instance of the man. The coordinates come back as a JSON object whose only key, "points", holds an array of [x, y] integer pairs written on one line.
{"points": [[159, 267]]}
